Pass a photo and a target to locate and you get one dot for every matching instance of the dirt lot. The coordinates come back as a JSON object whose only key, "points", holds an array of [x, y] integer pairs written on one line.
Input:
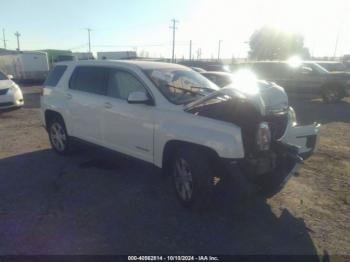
{"points": [[98, 203]]}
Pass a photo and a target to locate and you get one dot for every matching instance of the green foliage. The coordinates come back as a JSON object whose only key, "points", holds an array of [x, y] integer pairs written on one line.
{"points": [[270, 43]]}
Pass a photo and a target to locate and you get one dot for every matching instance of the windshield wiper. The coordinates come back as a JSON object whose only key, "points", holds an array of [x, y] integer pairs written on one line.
{"points": [[203, 88], [186, 90]]}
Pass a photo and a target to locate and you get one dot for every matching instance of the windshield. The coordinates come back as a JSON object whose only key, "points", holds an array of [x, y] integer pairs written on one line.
{"points": [[2, 76], [317, 68], [180, 86]]}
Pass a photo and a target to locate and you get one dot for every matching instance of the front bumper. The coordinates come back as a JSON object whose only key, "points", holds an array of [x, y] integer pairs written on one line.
{"points": [[269, 171]]}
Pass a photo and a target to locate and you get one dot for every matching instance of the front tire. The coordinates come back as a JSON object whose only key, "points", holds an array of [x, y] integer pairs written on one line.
{"points": [[58, 136], [193, 178]]}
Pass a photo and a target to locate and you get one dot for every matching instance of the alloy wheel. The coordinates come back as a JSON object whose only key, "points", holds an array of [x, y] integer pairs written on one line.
{"points": [[331, 94], [183, 179], [58, 137]]}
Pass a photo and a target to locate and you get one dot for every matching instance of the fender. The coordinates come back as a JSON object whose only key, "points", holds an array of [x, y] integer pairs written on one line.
{"points": [[222, 137]]}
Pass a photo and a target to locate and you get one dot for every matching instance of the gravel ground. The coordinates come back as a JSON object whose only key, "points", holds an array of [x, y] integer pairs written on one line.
{"points": [[99, 203]]}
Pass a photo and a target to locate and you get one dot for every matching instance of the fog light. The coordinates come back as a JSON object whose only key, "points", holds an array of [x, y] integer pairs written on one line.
{"points": [[263, 136]]}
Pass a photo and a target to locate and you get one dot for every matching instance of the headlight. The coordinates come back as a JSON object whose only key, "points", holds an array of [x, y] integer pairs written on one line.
{"points": [[292, 116], [263, 136]]}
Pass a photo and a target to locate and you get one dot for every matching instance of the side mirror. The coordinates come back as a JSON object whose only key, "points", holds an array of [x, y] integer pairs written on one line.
{"points": [[139, 97], [10, 76]]}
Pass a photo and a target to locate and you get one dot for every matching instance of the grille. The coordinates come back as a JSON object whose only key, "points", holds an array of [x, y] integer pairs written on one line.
{"points": [[3, 91], [278, 124]]}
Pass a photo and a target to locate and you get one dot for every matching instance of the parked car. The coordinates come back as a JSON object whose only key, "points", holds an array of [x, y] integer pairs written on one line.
{"points": [[221, 79], [303, 78], [11, 97], [206, 65], [332, 66], [174, 118]]}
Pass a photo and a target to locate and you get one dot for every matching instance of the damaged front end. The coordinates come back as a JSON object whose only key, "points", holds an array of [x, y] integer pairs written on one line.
{"points": [[274, 145]]}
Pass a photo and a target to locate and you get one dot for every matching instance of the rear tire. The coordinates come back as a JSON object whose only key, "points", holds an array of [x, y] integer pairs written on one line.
{"points": [[193, 178], [58, 136], [331, 94]]}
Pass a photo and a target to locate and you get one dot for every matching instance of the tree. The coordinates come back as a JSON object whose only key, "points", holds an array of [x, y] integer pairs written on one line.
{"points": [[270, 43]]}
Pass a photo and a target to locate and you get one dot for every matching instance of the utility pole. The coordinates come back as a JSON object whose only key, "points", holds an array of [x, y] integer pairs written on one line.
{"points": [[190, 50], [219, 49], [336, 44], [174, 29], [199, 53], [89, 38], [3, 37], [18, 35]]}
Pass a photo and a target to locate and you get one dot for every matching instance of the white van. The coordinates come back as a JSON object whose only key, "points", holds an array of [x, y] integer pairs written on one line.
{"points": [[25, 65]]}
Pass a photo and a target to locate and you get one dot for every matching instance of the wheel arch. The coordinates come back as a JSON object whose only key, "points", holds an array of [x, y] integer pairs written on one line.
{"points": [[172, 146], [51, 114]]}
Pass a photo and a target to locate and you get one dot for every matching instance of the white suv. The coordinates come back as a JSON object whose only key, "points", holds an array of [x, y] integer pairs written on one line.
{"points": [[174, 118]]}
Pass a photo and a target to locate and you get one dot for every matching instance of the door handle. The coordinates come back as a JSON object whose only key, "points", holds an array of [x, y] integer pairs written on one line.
{"points": [[69, 96], [108, 105]]}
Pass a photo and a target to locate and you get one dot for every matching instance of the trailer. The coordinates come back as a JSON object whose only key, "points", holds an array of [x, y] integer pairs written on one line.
{"points": [[83, 56], [116, 55], [25, 66]]}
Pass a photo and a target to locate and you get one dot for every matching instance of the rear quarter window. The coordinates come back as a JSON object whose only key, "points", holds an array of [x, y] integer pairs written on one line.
{"points": [[55, 75], [91, 79]]}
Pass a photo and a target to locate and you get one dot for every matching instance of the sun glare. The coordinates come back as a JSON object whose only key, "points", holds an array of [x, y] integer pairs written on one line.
{"points": [[246, 82], [295, 61]]}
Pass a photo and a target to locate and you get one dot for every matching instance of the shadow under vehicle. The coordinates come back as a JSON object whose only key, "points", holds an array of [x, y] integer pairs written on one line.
{"points": [[98, 203]]}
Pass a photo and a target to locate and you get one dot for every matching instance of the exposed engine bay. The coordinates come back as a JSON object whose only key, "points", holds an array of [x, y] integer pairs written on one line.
{"points": [[265, 119]]}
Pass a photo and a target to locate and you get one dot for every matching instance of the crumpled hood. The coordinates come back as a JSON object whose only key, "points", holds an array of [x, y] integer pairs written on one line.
{"points": [[267, 97], [5, 84]]}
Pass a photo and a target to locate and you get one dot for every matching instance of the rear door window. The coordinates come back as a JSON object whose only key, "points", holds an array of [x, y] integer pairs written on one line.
{"points": [[91, 79], [55, 75]]}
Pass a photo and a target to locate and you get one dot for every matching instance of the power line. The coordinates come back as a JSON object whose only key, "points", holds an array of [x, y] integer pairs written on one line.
{"points": [[173, 27], [78, 47], [133, 46]]}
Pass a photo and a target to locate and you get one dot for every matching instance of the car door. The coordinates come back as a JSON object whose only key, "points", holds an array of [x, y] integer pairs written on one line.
{"points": [[307, 79], [86, 98], [285, 78], [269, 71], [127, 128]]}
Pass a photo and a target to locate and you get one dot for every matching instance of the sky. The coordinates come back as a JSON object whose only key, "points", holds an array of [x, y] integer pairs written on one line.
{"points": [[144, 25]]}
